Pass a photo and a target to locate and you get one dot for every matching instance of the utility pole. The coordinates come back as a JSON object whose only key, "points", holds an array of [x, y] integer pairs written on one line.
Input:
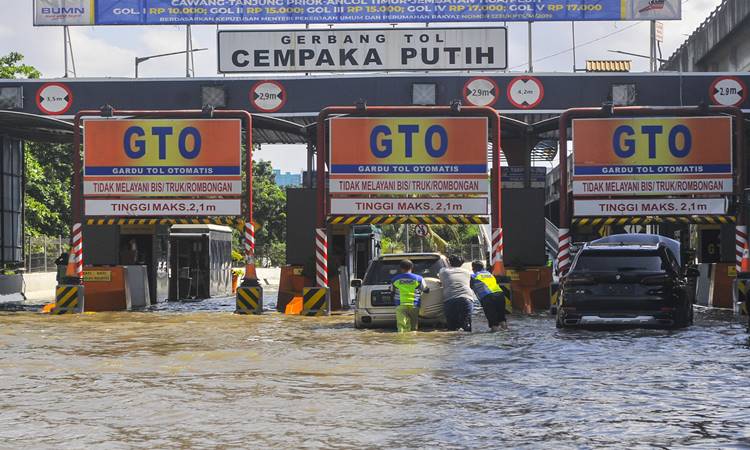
{"points": [[68, 47], [531, 52], [652, 47], [189, 52], [573, 28]]}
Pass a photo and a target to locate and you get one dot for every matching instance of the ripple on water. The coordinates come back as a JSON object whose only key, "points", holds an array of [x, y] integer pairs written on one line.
{"points": [[198, 376]]}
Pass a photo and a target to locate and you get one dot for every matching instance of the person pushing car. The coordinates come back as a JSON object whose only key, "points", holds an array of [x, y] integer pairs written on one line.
{"points": [[407, 288], [490, 296]]}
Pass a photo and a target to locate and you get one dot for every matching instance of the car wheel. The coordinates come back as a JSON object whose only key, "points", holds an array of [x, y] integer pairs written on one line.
{"points": [[357, 324]]}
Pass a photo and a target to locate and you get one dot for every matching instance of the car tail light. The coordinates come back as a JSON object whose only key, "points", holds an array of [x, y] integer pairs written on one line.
{"points": [[656, 280]]}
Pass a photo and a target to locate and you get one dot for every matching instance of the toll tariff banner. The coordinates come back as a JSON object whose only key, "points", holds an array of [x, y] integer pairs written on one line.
{"points": [[652, 156], [650, 207], [373, 50], [408, 156], [257, 12], [162, 158]]}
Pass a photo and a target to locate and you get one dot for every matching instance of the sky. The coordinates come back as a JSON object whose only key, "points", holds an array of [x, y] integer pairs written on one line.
{"points": [[109, 51]]}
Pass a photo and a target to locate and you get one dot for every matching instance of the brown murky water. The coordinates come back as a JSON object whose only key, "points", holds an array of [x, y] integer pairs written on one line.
{"points": [[181, 378]]}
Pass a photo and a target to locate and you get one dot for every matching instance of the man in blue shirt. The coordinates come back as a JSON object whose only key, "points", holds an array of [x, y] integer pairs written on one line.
{"points": [[407, 289]]}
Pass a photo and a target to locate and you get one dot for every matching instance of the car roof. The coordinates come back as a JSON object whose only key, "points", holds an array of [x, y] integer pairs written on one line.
{"points": [[641, 239], [619, 247], [399, 256]]}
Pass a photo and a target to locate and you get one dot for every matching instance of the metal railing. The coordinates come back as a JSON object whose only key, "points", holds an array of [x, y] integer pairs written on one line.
{"points": [[42, 251]]}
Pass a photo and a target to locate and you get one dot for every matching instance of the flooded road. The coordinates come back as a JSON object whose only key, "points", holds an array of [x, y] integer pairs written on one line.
{"points": [[181, 378]]}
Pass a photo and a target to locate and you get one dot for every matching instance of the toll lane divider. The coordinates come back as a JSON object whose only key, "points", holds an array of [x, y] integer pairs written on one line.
{"points": [[428, 220], [596, 221], [236, 222], [68, 299], [315, 302], [249, 300]]}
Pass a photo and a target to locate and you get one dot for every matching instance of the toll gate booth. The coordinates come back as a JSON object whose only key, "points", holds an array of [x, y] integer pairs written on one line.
{"points": [[677, 172], [200, 262]]}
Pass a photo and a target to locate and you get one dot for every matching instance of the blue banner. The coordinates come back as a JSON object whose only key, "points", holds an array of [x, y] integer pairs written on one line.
{"points": [[265, 12]]}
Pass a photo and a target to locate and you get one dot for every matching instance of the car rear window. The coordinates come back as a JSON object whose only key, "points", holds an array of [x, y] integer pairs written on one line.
{"points": [[619, 261], [382, 271]]}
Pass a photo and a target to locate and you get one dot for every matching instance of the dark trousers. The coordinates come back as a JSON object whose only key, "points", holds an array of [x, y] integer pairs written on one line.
{"points": [[458, 313], [494, 308]]}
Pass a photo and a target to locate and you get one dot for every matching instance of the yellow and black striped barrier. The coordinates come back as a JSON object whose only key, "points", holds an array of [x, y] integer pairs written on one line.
{"points": [[315, 302], [228, 221], [249, 300], [68, 299], [504, 283], [417, 220], [604, 221]]}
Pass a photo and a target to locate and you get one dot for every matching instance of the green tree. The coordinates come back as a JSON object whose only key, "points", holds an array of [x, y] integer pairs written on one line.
{"points": [[11, 66], [48, 175], [269, 213]]}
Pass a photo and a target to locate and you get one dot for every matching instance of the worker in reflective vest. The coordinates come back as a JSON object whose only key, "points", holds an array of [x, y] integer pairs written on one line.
{"points": [[490, 296], [407, 289]]}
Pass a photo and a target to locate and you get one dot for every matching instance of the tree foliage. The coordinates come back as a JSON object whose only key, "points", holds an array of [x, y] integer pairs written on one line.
{"points": [[11, 66], [48, 175], [269, 213]]}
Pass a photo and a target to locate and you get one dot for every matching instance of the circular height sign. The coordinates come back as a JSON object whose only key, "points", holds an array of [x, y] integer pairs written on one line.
{"points": [[525, 92], [54, 98], [268, 96], [728, 91], [480, 92]]}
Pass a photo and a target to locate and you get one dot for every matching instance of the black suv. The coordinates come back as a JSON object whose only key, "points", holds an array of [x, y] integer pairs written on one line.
{"points": [[627, 281]]}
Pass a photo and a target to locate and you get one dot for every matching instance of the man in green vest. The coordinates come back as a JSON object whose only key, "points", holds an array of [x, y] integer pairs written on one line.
{"points": [[407, 289], [490, 296]]}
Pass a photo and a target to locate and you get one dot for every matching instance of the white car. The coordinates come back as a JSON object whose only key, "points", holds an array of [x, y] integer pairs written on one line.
{"points": [[374, 306]]}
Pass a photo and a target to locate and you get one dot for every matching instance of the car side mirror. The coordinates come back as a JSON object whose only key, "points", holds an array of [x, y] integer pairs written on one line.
{"points": [[356, 283], [692, 272]]}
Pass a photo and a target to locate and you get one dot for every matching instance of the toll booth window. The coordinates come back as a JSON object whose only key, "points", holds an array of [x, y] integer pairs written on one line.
{"points": [[619, 261], [381, 272]]}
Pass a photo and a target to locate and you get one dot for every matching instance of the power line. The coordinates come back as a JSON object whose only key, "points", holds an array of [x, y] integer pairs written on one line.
{"points": [[562, 52]]}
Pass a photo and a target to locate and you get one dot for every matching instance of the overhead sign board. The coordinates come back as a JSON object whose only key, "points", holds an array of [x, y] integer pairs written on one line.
{"points": [[652, 156], [137, 167], [514, 177], [410, 206], [650, 207], [276, 12], [408, 155], [338, 50]]}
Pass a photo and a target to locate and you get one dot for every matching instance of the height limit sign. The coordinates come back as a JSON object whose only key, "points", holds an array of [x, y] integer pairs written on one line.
{"points": [[268, 96], [480, 91]]}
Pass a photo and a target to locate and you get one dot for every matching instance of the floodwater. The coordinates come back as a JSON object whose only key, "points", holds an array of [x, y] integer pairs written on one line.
{"points": [[197, 376]]}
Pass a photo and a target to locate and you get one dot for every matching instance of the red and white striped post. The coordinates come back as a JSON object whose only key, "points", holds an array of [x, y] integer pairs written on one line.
{"points": [[498, 268], [76, 253], [740, 243], [321, 257], [250, 251], [563, 251]]}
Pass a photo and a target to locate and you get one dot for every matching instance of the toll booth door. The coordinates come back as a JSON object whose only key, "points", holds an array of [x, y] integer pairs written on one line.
{"points": [[189, 268]]}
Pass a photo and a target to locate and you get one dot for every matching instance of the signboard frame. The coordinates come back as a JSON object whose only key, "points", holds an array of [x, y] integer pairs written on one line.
{"points": [[388, 33], [89, 13], [656, 173]]}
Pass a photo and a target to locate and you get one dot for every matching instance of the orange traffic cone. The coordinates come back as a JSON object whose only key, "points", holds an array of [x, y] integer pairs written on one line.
{"points": [[251, 277], [498, 269], [70, 270], [745, 265]]}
